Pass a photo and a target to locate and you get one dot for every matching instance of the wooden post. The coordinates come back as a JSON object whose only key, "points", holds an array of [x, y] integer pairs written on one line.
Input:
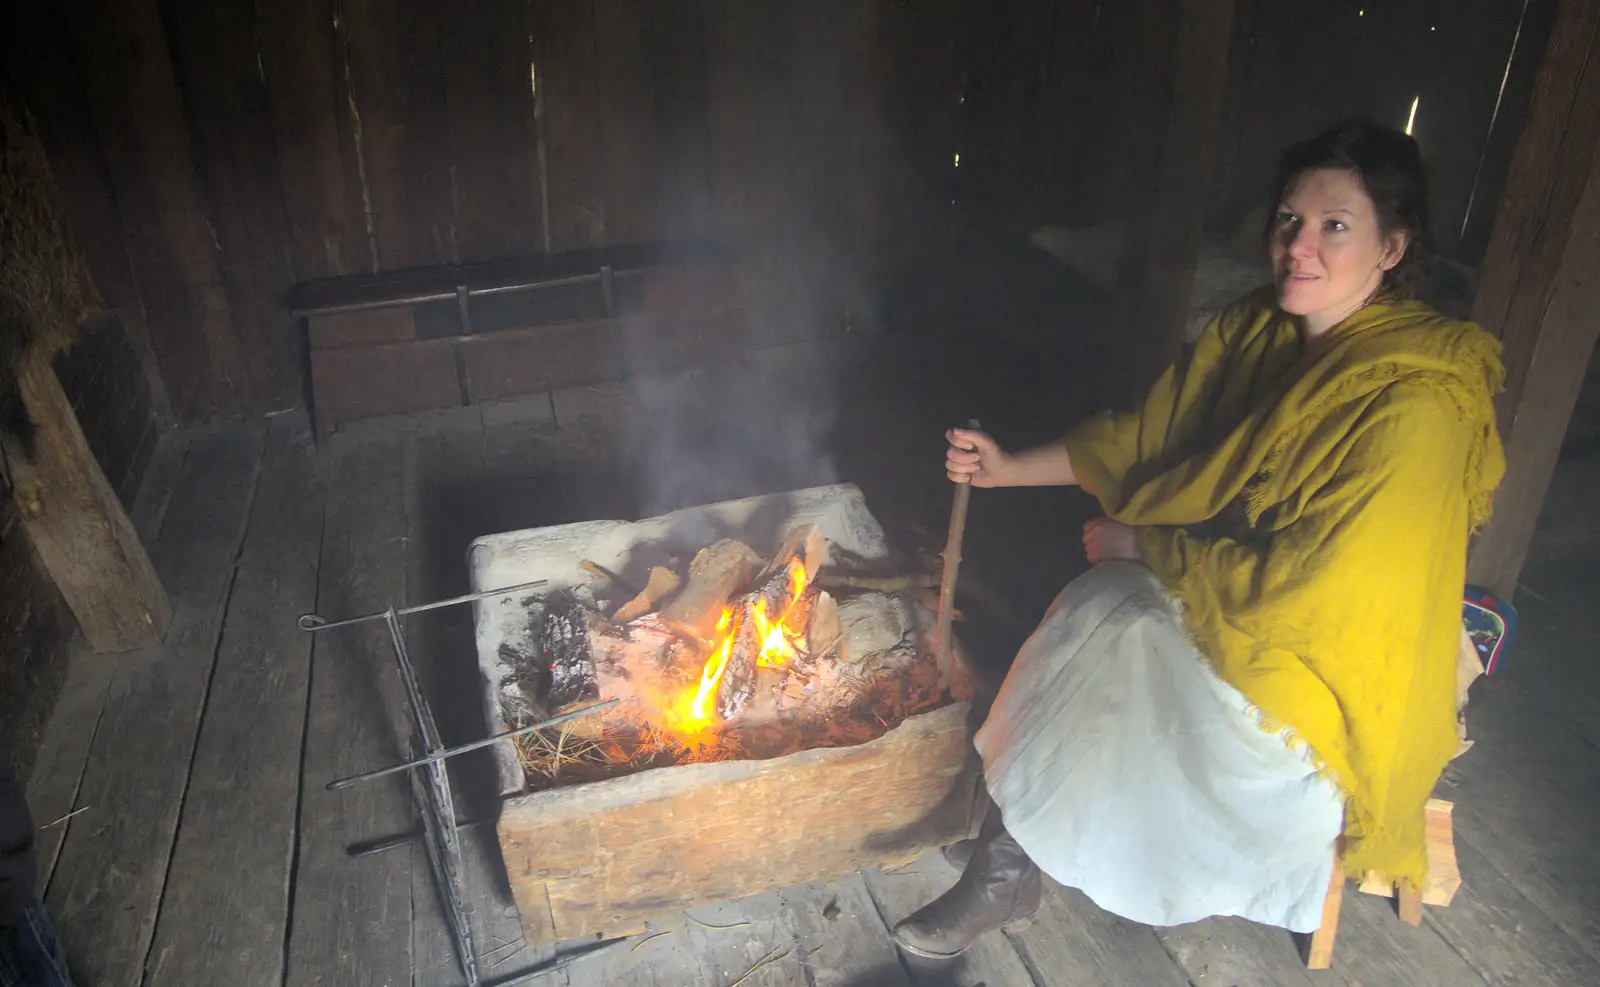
{"points": [[1539, 292], [77, 525], [1172, 121]]}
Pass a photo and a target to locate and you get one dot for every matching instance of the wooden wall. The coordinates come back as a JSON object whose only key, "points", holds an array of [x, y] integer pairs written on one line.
{"points": [[1054, 119], [1297, 69], [243, 147], [225, 150]]}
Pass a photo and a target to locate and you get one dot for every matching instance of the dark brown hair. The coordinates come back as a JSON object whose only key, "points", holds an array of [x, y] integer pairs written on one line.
{"points": [[1389, 164]]}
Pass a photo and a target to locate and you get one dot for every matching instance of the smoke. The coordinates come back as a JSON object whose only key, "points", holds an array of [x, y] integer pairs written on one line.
{"points": [[790, 187], [759, 425]]}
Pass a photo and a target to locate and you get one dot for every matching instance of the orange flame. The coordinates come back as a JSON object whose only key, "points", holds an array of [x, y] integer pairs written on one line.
{"points": [[776, 644], [711, 674]]}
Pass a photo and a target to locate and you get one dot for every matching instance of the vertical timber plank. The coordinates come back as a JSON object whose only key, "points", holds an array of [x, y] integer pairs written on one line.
{"points": [[138, 116], [1540, 293], [794, 104], [396, 100], [352, 916], [111, 874], [767, 201], [564, 53], [681, 172], [225, 96], [227, 919], [494, 155], [626, 115], [318, 168], [1179, 119]]}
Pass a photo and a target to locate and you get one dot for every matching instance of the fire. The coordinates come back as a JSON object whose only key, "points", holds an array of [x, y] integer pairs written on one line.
{"points": [[776, 641], [711, 674]]}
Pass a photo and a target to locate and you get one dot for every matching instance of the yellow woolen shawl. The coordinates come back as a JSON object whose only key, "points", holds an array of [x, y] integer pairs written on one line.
{"points": [[1310, 508]]}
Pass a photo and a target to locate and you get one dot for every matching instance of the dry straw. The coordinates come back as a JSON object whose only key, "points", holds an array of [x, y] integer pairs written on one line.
{"points": [[45, 288]]}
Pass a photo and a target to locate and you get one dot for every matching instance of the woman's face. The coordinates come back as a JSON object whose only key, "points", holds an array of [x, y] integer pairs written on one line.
{"points": [[1328, 250]]}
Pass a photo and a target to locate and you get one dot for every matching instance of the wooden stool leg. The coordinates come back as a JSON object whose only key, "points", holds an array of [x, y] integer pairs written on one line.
{"points": [[1320, 955], [1411, 906]]}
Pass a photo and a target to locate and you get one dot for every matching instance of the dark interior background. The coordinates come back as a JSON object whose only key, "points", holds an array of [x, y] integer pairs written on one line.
{"points": [[873, 164]]}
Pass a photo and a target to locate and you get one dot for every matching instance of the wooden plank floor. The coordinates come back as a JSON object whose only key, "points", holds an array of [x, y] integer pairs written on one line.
{"points": [[207, 851]]}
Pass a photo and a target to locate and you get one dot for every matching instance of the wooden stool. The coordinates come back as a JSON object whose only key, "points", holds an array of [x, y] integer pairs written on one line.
{"points": [[1443, 879]]}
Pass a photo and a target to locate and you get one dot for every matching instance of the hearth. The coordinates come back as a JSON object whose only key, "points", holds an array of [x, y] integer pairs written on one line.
{"points": [[775, 714]]}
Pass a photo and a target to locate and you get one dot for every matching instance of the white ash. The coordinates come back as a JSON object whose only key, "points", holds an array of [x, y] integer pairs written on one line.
{"points": [[870, 623]]}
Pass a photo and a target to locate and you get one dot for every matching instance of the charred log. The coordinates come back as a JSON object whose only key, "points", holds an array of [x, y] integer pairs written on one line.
{"points": [[565, 644]]}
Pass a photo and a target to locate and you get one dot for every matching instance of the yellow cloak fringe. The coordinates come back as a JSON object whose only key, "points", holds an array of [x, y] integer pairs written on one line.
{"points": [[1311, 509]]}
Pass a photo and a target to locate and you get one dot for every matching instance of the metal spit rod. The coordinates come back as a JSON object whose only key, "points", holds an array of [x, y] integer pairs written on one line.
{"points": [[440, 755], [316, 622]]}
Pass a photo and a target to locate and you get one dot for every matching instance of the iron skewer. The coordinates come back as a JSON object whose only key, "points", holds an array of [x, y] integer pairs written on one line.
{"points": [[440, 755], [316, 622]]}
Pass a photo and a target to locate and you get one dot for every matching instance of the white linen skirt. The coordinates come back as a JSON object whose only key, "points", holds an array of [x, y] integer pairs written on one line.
{"points": [[1127, 769]]}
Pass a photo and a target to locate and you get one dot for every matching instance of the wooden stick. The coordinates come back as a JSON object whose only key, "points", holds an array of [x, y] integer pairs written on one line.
{"points": [[596, 569], [952, 564], [886, 584], [663, 582]]}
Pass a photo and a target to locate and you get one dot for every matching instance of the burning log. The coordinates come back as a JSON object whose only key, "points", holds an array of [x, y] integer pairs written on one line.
{"points": [[663, 583], [715, 575], [758, 639], [804, 543]]}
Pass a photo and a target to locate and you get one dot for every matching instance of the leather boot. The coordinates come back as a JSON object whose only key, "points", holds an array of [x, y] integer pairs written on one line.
{"points": [[1000, 887], [959, 855]]}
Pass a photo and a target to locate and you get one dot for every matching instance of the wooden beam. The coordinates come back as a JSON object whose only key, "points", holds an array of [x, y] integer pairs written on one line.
{"points": [[77, 525], [1171, 120], [1539, 293]]}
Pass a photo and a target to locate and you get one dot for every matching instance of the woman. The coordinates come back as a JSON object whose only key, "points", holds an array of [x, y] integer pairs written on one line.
{"points": [[1263, 656]]}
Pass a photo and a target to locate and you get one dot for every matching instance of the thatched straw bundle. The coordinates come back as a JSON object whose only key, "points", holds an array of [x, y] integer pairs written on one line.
{"points": [[45, 288]]}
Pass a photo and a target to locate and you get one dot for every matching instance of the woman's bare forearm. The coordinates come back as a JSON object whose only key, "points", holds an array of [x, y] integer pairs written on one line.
{"points": [[1043, 466]]}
